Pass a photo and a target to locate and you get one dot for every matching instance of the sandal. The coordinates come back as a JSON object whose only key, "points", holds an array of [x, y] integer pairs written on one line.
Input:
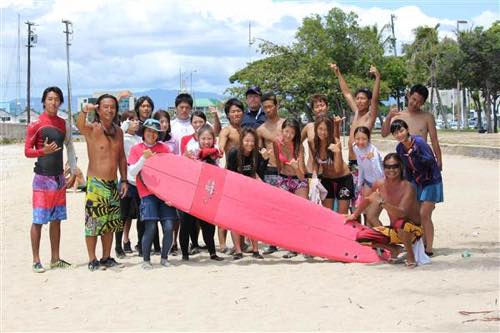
{"points": [[216, 257], [290, 254], [38, 268], [410, 265], [237, 256], [397, 260], [60, 264], [257, 255]]}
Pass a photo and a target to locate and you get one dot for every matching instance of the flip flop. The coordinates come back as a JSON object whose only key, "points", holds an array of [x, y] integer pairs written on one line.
{"points": [[401, 258], [410, 265]]}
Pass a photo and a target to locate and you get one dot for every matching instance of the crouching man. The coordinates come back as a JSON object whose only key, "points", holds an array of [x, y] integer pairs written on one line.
{"points": [[399, 198]]}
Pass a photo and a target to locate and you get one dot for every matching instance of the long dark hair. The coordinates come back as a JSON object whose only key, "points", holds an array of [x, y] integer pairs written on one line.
{"points": [[116, 119], [240, 157], [330, 138], [293, 123], [398, 159], [164, 136]]}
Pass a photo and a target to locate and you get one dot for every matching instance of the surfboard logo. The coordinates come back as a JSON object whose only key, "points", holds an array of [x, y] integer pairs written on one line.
{"points": [[210, 189]]}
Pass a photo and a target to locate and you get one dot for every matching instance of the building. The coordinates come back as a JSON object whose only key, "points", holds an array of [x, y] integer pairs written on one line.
{"points": [[202, 104], [22, 118], [6, 115]]}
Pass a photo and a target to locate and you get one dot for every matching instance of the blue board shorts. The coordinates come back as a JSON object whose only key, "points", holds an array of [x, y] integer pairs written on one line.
{"points": [[432, 192]]}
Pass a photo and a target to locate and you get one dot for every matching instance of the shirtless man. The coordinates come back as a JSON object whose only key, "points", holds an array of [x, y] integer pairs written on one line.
{"points": [[268, 132], [229, 137], [363, 104], [106, 154], [399, 198], [419, 122]]}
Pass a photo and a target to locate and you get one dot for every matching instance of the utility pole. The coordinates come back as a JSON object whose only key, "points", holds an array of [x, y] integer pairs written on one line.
{"points": [[461, 123], [32, 38], [393, 40], [68, 25]]}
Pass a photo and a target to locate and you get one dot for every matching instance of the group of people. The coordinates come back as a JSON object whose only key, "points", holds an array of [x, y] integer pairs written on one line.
{"points": [[257, 143]]}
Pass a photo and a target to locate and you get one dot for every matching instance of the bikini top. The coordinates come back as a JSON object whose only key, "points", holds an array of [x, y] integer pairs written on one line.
{"points": [[281, 156], [328, 161]]}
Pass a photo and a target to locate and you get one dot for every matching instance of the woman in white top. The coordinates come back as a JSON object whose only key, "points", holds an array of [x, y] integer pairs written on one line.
{"points": [[368, 158], [370, 168], [129, 205]]}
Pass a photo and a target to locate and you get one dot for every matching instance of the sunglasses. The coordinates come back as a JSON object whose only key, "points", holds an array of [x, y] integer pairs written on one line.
{"points": [[391, 166]]}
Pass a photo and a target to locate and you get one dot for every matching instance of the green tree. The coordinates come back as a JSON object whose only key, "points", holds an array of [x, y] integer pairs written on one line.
{"points": [[481, 68], [296, 72]]}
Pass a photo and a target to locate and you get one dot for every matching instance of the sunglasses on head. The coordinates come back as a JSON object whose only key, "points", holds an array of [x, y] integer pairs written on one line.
{"points": [[391, 166]]}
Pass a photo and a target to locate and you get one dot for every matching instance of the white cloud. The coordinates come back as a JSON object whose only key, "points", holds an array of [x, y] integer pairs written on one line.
{"points": [[485, 19], [141, 44]]}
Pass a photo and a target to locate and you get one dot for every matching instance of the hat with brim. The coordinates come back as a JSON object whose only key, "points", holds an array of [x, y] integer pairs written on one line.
{"points": [[254, 90]]}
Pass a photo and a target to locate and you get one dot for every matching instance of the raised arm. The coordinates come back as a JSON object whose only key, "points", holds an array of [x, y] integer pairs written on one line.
{"points": [[375, 96], [217, 125], [344, 88], [386, 126], [81, 122]]}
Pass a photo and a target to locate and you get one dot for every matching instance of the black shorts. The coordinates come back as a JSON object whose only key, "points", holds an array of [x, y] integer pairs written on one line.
{"points": [[339, 188], [129, 205]]}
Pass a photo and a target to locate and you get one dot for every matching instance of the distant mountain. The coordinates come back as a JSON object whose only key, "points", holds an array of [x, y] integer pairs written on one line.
{"points": [[162, 98]]}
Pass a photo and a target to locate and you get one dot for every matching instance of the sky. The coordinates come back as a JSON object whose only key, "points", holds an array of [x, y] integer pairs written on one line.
{"points": [[151, 44]]}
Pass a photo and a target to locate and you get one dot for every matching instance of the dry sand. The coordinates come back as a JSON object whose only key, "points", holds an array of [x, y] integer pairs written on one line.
{"points": [[270, 295]]}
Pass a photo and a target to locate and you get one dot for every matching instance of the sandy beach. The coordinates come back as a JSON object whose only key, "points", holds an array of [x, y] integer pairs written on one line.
{"points": [[274, 294]]}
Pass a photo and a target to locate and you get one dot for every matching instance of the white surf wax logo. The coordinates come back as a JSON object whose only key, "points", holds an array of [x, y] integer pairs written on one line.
{"points": [[210, 189]]}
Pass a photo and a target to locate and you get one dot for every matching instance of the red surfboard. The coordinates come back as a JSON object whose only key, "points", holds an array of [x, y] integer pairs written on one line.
{"points": [[254, 209]]}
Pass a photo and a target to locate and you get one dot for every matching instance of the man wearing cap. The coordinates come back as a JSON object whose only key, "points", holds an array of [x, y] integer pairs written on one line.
{"points": [[106, 155], [254, 116]]}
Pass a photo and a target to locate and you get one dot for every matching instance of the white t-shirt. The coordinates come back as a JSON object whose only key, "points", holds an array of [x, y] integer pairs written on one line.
{"points": [[129, 141], [179, 129], [370, 169]]}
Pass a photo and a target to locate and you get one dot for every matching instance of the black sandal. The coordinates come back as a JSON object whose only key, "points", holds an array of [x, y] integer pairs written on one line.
{"points": [[216, 257]]}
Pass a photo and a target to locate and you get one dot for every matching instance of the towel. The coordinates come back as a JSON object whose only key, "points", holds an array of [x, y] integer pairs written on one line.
{"points": [[420, 257], [317, 192]]}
